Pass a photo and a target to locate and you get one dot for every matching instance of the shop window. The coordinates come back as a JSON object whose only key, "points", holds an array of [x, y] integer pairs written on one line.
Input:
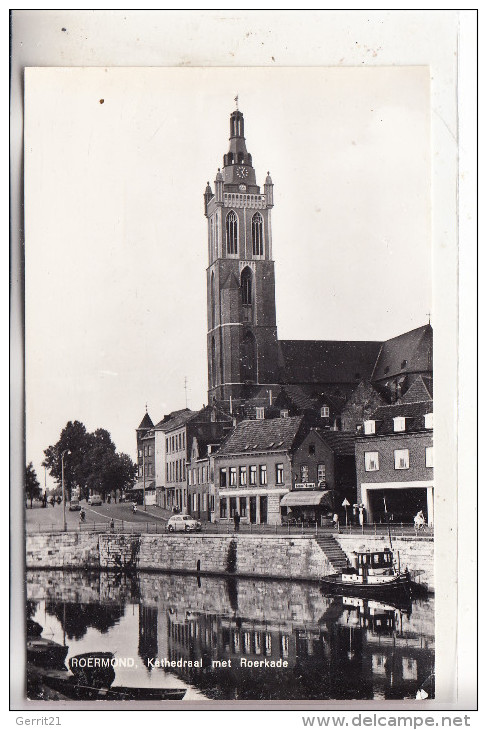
{"points": [[304, 473], [223, 508], [401, 459], [233, 506], [243, 506], [371, 461]]}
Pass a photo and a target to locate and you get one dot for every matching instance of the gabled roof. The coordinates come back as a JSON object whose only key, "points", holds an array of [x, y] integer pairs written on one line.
{"points": [[274, 434], [176, 419], [327, 361], [418, 391], [407, 353], [145, 422], [340, 442]]}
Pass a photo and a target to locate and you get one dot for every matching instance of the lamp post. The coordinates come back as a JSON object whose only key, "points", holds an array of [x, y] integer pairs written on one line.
{"points": [[66, 451]]}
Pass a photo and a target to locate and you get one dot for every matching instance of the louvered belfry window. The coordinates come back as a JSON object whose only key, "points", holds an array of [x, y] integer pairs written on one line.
{"points": [[232, 233], [257, 237]]}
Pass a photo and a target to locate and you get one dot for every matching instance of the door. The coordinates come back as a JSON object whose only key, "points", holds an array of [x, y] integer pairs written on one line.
{"points": [[263, 510], [253, 509]]}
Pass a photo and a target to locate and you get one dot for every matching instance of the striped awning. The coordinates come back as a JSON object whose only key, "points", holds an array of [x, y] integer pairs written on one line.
{"points": [[307, 499]]}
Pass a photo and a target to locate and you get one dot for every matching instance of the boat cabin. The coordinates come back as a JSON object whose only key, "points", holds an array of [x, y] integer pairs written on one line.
{"points": [[377, 559]]}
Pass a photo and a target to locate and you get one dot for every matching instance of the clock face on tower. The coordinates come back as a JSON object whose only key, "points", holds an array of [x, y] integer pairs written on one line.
{"points": [[242, 172]]}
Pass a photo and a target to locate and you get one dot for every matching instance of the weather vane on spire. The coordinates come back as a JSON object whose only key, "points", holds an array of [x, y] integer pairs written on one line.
{"points": [[146, 406], [236, 102]]}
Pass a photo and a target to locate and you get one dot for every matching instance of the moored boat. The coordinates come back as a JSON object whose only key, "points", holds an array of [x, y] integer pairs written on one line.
{"points": [[372, 573], [45, 653]]}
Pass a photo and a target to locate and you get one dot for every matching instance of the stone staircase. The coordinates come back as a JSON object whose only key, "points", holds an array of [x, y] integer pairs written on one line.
{"points": [[333, 552]]}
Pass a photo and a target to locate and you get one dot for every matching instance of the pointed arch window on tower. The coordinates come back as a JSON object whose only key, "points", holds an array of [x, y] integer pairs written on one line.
{"points": [[213, 300], [257, 235], [232, 233], [246, 286], [213, 361]]}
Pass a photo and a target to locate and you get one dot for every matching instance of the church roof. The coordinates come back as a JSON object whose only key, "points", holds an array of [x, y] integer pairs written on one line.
{"points": [[418, 391], [406, 353], [274, 434], [327, 361], [146, 422]]}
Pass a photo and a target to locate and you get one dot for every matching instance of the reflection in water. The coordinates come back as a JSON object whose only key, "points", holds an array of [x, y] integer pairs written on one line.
{"points": [[231, 638]]}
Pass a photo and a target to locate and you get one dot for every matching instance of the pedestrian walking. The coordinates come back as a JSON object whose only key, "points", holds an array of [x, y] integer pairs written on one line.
{"points": [[236, 521]]}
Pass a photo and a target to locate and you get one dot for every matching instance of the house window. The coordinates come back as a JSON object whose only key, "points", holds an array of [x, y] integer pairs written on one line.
{"points": [[243, 506], [429, 456], [212, 503], [371, 461], [325, 411], [140, 453], [428, 420], [233, 476], [194, 502], [223, 508], [263, 474], [259, 413], [399, 423], [232, 233], [149, 451], [279, 473], [203, 499], [401, 459], [321, 473], [233, 506], [369, 427], [311, 449], [223, 477], [257, 238], [284, 413], [304, 472], [253, 475], [242, 475], [140, 470]]}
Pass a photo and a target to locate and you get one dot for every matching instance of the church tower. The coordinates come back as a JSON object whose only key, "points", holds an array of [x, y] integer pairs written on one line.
{"points": [[242, 333]]}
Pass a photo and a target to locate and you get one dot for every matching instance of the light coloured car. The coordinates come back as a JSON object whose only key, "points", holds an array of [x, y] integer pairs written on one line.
{"points": [[94, 499], [74, 505], [183, 523]]}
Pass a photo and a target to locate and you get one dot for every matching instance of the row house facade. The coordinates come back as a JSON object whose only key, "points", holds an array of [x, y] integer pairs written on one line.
{"points": [[146, 463], [394, 459]]}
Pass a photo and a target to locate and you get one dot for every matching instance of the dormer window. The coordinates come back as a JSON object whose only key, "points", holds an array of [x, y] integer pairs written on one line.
{"points": [[284, 413], [325, 411], [399, 423], [259, 413], [369, 427], [428, 420]]}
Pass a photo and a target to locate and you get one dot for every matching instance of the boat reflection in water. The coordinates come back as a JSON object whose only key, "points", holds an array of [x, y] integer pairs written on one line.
{"points": [[229, 638]]}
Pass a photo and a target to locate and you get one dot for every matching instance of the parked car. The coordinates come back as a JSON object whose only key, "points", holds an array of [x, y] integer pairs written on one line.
{"points": [[183, 523], [94, 499], [74, 505]]}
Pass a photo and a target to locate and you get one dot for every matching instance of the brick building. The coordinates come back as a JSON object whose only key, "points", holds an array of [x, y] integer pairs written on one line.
{"points": [[394, 459]]}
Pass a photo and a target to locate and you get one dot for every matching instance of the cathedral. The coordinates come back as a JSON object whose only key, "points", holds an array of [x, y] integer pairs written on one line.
{"points": [[253, 374]]}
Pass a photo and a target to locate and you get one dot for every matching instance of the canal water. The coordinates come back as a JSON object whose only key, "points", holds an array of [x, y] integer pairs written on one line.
{"points": [[254, 639]]}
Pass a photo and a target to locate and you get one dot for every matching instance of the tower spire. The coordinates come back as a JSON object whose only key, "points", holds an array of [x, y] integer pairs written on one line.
{"points": [[236, 102]]}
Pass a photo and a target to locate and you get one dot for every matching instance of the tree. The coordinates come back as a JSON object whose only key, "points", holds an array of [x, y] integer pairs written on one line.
{"points": [[32, 486], [92, 464]]}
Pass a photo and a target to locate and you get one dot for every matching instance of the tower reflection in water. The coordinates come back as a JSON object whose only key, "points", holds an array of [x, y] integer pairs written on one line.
{"points": [[335, 647]]}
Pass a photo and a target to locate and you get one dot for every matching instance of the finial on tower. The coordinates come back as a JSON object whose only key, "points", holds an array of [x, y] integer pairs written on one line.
{"points": [[236, 102]]}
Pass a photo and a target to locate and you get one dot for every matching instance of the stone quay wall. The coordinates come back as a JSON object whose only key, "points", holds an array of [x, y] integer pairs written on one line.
{"points": [[415, 553], [260, 556]]}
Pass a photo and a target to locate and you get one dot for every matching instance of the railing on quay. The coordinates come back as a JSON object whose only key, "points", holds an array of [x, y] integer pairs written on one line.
{"points": [[141, 527]]}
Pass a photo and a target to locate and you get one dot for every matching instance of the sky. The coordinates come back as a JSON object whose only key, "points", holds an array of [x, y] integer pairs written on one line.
{"points": [[116, 163]]}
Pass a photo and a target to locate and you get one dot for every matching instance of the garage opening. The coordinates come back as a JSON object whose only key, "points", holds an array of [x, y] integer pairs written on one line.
{"points": [[396, 505]]}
